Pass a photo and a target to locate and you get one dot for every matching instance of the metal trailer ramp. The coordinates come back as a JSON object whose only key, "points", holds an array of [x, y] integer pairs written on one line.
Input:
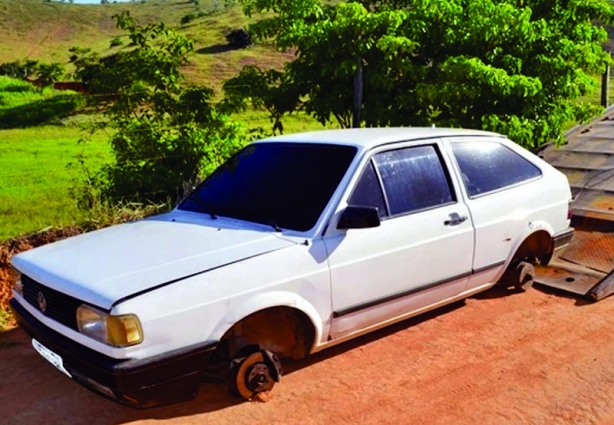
{"points": [[585, 268]]}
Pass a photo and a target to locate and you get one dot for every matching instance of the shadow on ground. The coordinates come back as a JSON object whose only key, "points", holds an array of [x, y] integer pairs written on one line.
{"points": [[502, 291], [14, 344], [57, 390], [215, 48], [580, 301], [39, 112]]}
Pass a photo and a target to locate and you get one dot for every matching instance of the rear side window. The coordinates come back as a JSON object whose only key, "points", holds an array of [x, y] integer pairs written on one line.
{"points": [[414, 179], [490, 166]]}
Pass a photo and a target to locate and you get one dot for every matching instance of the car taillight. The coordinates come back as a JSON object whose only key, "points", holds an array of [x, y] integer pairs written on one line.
{"points": [[569, 211]]}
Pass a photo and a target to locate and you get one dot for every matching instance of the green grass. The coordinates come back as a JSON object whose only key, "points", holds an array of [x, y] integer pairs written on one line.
{"points": [[34, 174], [34, 157], [23, 105], [595, 97], [295, 123], [35, 177], [39, 164], [33, 29]]}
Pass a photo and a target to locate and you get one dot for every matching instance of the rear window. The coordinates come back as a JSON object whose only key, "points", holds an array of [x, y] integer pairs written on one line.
{"points": [[490, 166]]}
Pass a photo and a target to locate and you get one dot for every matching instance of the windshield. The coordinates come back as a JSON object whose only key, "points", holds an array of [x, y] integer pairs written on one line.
{"points": [[279, 184]]}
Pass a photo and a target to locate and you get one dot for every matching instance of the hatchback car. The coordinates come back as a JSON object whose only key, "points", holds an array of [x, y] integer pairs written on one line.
{"points": [[294, 245]]}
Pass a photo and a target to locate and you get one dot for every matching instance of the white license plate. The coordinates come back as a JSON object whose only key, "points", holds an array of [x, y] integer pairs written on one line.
{"points": [[50, 356]]}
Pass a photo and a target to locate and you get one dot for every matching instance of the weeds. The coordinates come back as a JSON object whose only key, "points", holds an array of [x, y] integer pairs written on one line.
{"points": [[6, 319]]}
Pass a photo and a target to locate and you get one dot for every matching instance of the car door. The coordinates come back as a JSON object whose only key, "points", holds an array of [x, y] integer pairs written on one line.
{"points": [[420, 255], [496, 179]]}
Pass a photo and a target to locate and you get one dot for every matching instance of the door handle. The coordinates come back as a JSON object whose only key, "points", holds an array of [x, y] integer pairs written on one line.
{"points": [[455, 219]]}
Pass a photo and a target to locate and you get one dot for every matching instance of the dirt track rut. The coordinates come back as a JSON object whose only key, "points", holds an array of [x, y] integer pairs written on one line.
{"points": [[500, 358]]}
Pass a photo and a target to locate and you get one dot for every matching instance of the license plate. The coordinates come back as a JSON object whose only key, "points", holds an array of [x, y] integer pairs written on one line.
{"points": [[50, 356]]}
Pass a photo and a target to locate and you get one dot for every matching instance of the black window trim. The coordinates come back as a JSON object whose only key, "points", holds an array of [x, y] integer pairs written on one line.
{"points": [[446, 171], [381, 187], [360, 170], [501, 189]]}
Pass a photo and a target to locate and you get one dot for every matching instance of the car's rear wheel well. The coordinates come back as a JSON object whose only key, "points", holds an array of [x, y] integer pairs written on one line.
{"points": [[285, 331], [537, 247]]}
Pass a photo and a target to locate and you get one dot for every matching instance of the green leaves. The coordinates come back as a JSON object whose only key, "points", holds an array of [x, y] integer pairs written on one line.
{"points": [[164, 136], [503, 65]]}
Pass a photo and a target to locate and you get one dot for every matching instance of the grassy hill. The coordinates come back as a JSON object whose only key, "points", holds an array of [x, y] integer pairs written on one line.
{"points": [[37, 144], [33, 29], [38, 136]]}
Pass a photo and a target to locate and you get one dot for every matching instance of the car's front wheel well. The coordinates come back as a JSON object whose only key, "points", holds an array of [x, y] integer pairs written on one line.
{"points": [[285, 331]]}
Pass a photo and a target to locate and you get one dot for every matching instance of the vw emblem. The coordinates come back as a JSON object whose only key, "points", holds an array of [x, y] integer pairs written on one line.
{"points": [[42, 302]]}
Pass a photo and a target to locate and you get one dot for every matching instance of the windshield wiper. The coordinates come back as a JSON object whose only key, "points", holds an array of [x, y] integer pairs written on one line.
{"points": [[208, 210], [254, 213]]}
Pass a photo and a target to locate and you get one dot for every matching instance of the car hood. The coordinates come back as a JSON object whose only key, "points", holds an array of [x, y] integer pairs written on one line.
{"points": [[105, 266]]}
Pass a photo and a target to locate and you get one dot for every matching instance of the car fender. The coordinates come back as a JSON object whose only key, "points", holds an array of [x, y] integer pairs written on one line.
{"points": [[529, 229], [262, 301]]}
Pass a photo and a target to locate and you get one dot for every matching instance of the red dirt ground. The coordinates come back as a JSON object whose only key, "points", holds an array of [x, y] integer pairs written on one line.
{"points": [[500, 358]]}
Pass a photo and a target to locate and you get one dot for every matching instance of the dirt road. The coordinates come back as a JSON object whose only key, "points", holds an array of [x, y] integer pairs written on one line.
{"points": [[500, 358]]}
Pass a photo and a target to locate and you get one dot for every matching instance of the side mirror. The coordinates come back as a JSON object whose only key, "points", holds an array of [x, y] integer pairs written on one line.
{"points": [[357, 217]]}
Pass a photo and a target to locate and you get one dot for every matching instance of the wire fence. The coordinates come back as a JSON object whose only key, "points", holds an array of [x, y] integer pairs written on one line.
{"points": [[605, 95]]}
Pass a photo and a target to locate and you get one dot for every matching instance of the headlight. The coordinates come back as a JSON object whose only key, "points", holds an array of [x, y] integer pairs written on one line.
{"points": [[117, 331], [17, 285]]}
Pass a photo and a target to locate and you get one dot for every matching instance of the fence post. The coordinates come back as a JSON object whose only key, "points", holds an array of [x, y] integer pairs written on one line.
{"points": [[605, 87]]}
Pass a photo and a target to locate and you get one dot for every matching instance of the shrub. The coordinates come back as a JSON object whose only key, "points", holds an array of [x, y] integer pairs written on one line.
{"points": [[239, 38], [186, 19], [165, 136], [117, 41]]}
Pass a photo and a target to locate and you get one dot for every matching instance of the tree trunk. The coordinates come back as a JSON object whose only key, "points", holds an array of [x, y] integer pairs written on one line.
{"points": [[358, 88]]}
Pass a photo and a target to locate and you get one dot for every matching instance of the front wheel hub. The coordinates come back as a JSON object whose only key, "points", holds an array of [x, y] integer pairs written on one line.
{"points": [[256, 373], [258, 378]]}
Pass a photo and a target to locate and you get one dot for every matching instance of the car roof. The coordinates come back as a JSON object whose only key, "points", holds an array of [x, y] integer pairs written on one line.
{"points": [[370, 137]]}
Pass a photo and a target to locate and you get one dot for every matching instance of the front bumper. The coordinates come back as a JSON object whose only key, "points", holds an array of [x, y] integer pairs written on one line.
{"points": [[164, 379]]}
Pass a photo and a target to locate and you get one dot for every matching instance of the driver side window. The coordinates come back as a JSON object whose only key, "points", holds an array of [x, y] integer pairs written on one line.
{"points": [[368, 192]]}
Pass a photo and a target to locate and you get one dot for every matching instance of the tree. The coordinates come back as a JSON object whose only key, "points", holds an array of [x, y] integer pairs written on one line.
{"points": [[514, 66], [50, 73], [165, 136], [261, 89]]}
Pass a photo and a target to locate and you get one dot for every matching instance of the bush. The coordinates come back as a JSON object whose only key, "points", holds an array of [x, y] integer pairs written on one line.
{"points": [[5, 319], [19, 69], [157, 161], [46, 74], [165, 136], [186, 19], [239, 38], [117, 41]]}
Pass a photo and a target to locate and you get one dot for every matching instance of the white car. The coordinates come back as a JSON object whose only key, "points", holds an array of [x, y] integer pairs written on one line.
{"points": [[296, 244]]}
